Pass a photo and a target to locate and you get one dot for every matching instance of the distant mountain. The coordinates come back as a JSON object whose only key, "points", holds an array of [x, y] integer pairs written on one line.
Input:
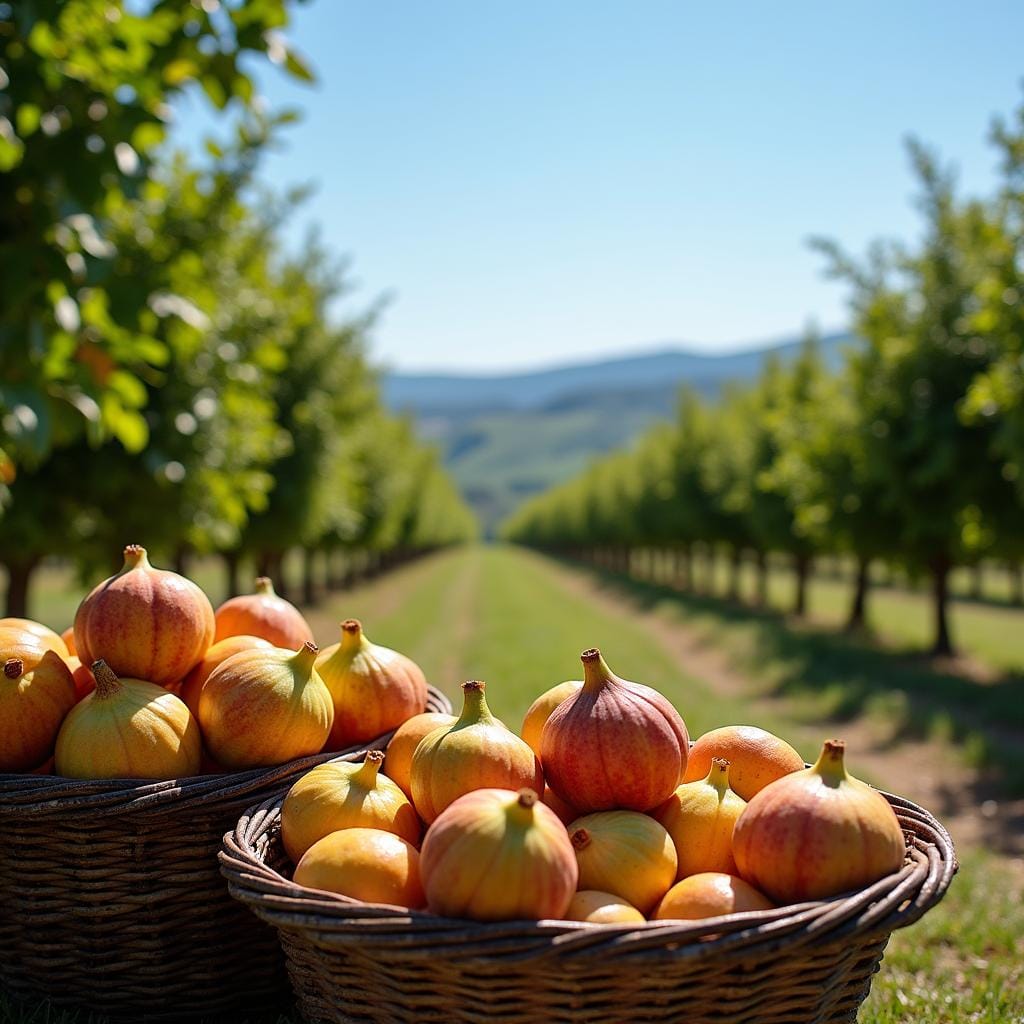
{"points": [[507, 436]]}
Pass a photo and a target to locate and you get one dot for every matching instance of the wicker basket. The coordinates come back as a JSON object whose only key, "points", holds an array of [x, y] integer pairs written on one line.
{"points": [[111, 898], [351, 961]]}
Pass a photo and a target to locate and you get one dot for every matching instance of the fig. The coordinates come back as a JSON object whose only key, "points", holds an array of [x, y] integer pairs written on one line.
{"points": [[85, 683], [265, 707], [401, 746], [709, 894], [700, 817], [11, 627], [495, 855], [265, 615], [218, 653], [33, 705], [365, 864], [601, 908], [477, 752], [145, 623], [614, 744], [540, 711], [374, 688], [817, 833], [755, 758], [340, 795], [127, 729], [19, 639], [625, 853]]}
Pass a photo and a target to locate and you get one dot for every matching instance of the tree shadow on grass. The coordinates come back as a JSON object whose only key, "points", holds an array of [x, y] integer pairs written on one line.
{"points": [[848, 676]]}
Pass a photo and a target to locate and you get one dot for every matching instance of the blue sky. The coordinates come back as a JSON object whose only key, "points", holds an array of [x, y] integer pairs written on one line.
{"points": [[538, 182]]}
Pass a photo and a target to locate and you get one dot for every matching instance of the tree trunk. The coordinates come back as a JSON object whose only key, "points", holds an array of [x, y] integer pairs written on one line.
{"points": [[1016, 583], [308, 577], [180, 560], [762, 580], [264, 564], [19, 575], [802, 566], [977, 581], [940, 596], [277, 575], [231, 572], [684, 568], [709, 570], [736, 564], [858, 608]]}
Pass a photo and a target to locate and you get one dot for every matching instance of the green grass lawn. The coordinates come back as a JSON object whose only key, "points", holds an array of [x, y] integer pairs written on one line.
{"points": [[511, 618], [991, 630]]}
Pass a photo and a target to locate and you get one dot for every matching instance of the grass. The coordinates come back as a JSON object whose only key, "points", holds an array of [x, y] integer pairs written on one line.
{"points": [[514, 620], [832, 676], [990, 630]]}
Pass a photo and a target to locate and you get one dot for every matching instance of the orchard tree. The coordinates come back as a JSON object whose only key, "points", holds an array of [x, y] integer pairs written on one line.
{"points": [[931, 471], [85, 101]]}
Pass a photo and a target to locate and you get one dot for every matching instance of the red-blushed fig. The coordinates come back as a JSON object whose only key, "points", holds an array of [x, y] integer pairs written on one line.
{"points": [[614, 744], [374, 688], [68, 636], [700, 817], [339, 795], [477, 752], [401, 747], [540, 711], [127, 729], [709, 894], [364, 864], [265, 615], [33, 704], [145, 623], [625, 853], [495, 855], [817, 833], [265, 707], [755, 758]]}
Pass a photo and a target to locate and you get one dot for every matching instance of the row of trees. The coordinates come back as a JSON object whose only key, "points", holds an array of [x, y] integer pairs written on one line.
{"points": [[912, 453], [170, 374]]}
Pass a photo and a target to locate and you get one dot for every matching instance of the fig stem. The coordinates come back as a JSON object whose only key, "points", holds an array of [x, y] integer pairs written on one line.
{"points": [[367, 774], [264, 585], [351, 635], [718, 775], [474, 704], [830, 764], [107, 683], [596, 672], [135, 557], [580, 839], [305, 657]]}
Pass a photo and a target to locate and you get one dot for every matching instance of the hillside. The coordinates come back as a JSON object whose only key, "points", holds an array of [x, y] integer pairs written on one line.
{"points": [[507, 436]]}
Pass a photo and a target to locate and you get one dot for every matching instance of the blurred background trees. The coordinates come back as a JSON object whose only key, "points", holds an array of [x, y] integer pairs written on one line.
{"points": [[168, 371], [909, 454]]}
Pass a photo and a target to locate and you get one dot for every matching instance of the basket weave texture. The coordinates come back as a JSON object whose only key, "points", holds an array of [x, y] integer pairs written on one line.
{"points": [[111, 897], [804, 964]]}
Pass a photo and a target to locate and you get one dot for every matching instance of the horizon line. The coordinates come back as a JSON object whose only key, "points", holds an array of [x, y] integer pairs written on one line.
{"points": [[654, 349]]}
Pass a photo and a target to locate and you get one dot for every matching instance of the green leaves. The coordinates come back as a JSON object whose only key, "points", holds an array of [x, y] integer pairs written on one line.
{"points": [[85, 89]]}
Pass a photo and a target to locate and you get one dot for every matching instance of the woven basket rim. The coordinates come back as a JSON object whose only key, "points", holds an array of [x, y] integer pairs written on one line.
{"points": [[895, 901], [22, 795]]}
